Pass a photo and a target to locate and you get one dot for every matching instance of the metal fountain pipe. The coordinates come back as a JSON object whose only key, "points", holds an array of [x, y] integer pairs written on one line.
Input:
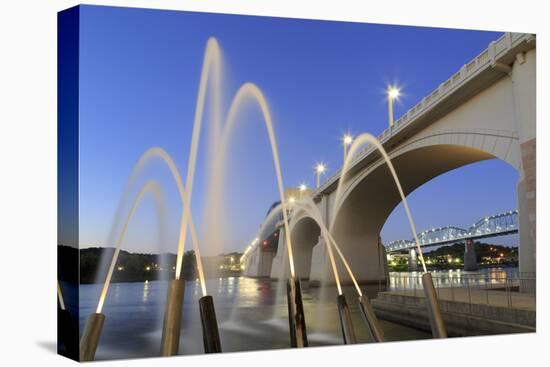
{"points": [[210, 333], [296, 318], [369, 316], [172, 318], [434, 313], [90, 337], [348, 332]]}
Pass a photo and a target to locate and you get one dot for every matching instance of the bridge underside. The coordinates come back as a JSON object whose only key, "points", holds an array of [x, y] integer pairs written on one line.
{"points": [[478, 122], [373, 197]]}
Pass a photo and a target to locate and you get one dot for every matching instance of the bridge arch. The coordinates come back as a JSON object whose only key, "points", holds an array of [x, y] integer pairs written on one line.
{"points": [[304, 234], [370, 196]]}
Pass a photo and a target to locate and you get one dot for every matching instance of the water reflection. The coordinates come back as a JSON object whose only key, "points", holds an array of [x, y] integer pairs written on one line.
{"points": [[145, 296], [452, 278], [250, 314]]}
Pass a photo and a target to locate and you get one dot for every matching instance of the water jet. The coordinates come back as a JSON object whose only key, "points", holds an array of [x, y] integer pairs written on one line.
{"points": [[296, 318], [432, 303], [436, 321]]}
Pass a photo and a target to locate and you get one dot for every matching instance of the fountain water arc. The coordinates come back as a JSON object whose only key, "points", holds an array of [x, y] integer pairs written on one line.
{"points": [[149, 186], [432, 303], [250, 90], [151, 153], [60, 296], [211, 60], [314, 213], [331, 242], [357, 143]]}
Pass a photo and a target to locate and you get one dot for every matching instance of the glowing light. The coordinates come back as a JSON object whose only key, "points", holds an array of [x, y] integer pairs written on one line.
{"points": [[347, 139], [393, 92], [148, 268], [319, 169], [120, 268], [291, 200], [303, 187]]}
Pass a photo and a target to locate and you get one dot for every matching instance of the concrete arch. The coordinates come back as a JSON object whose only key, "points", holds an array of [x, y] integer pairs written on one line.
{"points": [[371, 196], [304, 234]]}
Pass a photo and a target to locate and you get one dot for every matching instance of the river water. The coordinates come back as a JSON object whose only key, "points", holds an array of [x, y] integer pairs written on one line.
{"points": [[251, 313]]}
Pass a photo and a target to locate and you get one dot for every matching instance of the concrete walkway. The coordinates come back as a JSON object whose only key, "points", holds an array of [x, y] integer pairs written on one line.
{"points": [[477, 296]]}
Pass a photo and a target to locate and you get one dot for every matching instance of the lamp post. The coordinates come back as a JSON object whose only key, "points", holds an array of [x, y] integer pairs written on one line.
{"points": [[320, 169], [393, 94], [347, 139]]}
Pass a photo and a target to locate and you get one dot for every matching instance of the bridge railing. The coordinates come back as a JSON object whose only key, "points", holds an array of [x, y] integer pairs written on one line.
{"points": [[516, 291]]}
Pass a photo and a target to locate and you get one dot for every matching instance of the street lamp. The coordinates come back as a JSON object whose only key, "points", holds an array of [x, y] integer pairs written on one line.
{"points": [[393, 94], [347, 139], [320, 169]]}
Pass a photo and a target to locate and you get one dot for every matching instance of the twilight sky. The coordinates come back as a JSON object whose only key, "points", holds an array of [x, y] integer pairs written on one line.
{"points": [[139, 73]]}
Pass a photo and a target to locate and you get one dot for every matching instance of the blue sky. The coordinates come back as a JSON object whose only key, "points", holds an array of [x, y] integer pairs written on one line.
{"points": [[138, 85]]}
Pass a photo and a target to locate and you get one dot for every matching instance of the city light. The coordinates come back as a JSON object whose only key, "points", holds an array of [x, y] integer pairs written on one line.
{"points": [[347, 139], [148, 268], [320, 169], [291, 200], [303, 187], [393, 94]]}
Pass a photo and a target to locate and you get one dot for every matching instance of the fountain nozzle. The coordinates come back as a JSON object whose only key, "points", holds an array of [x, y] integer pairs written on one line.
{"points": [[348, 332], [172, 318], [296, 318], [210, 333], [373, 325], [90, 337]]}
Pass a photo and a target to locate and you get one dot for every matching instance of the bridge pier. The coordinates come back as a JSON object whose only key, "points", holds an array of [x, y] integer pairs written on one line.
{"points": [[368, 263], [413, 260], [280, 268], [470, 256], [259, 264], [524, 91]]}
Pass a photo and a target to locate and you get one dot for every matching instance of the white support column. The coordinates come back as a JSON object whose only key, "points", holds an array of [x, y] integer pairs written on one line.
{"points": [[470, 256], [319, 263], [524, 89], [413, 260], [280, 268]]}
